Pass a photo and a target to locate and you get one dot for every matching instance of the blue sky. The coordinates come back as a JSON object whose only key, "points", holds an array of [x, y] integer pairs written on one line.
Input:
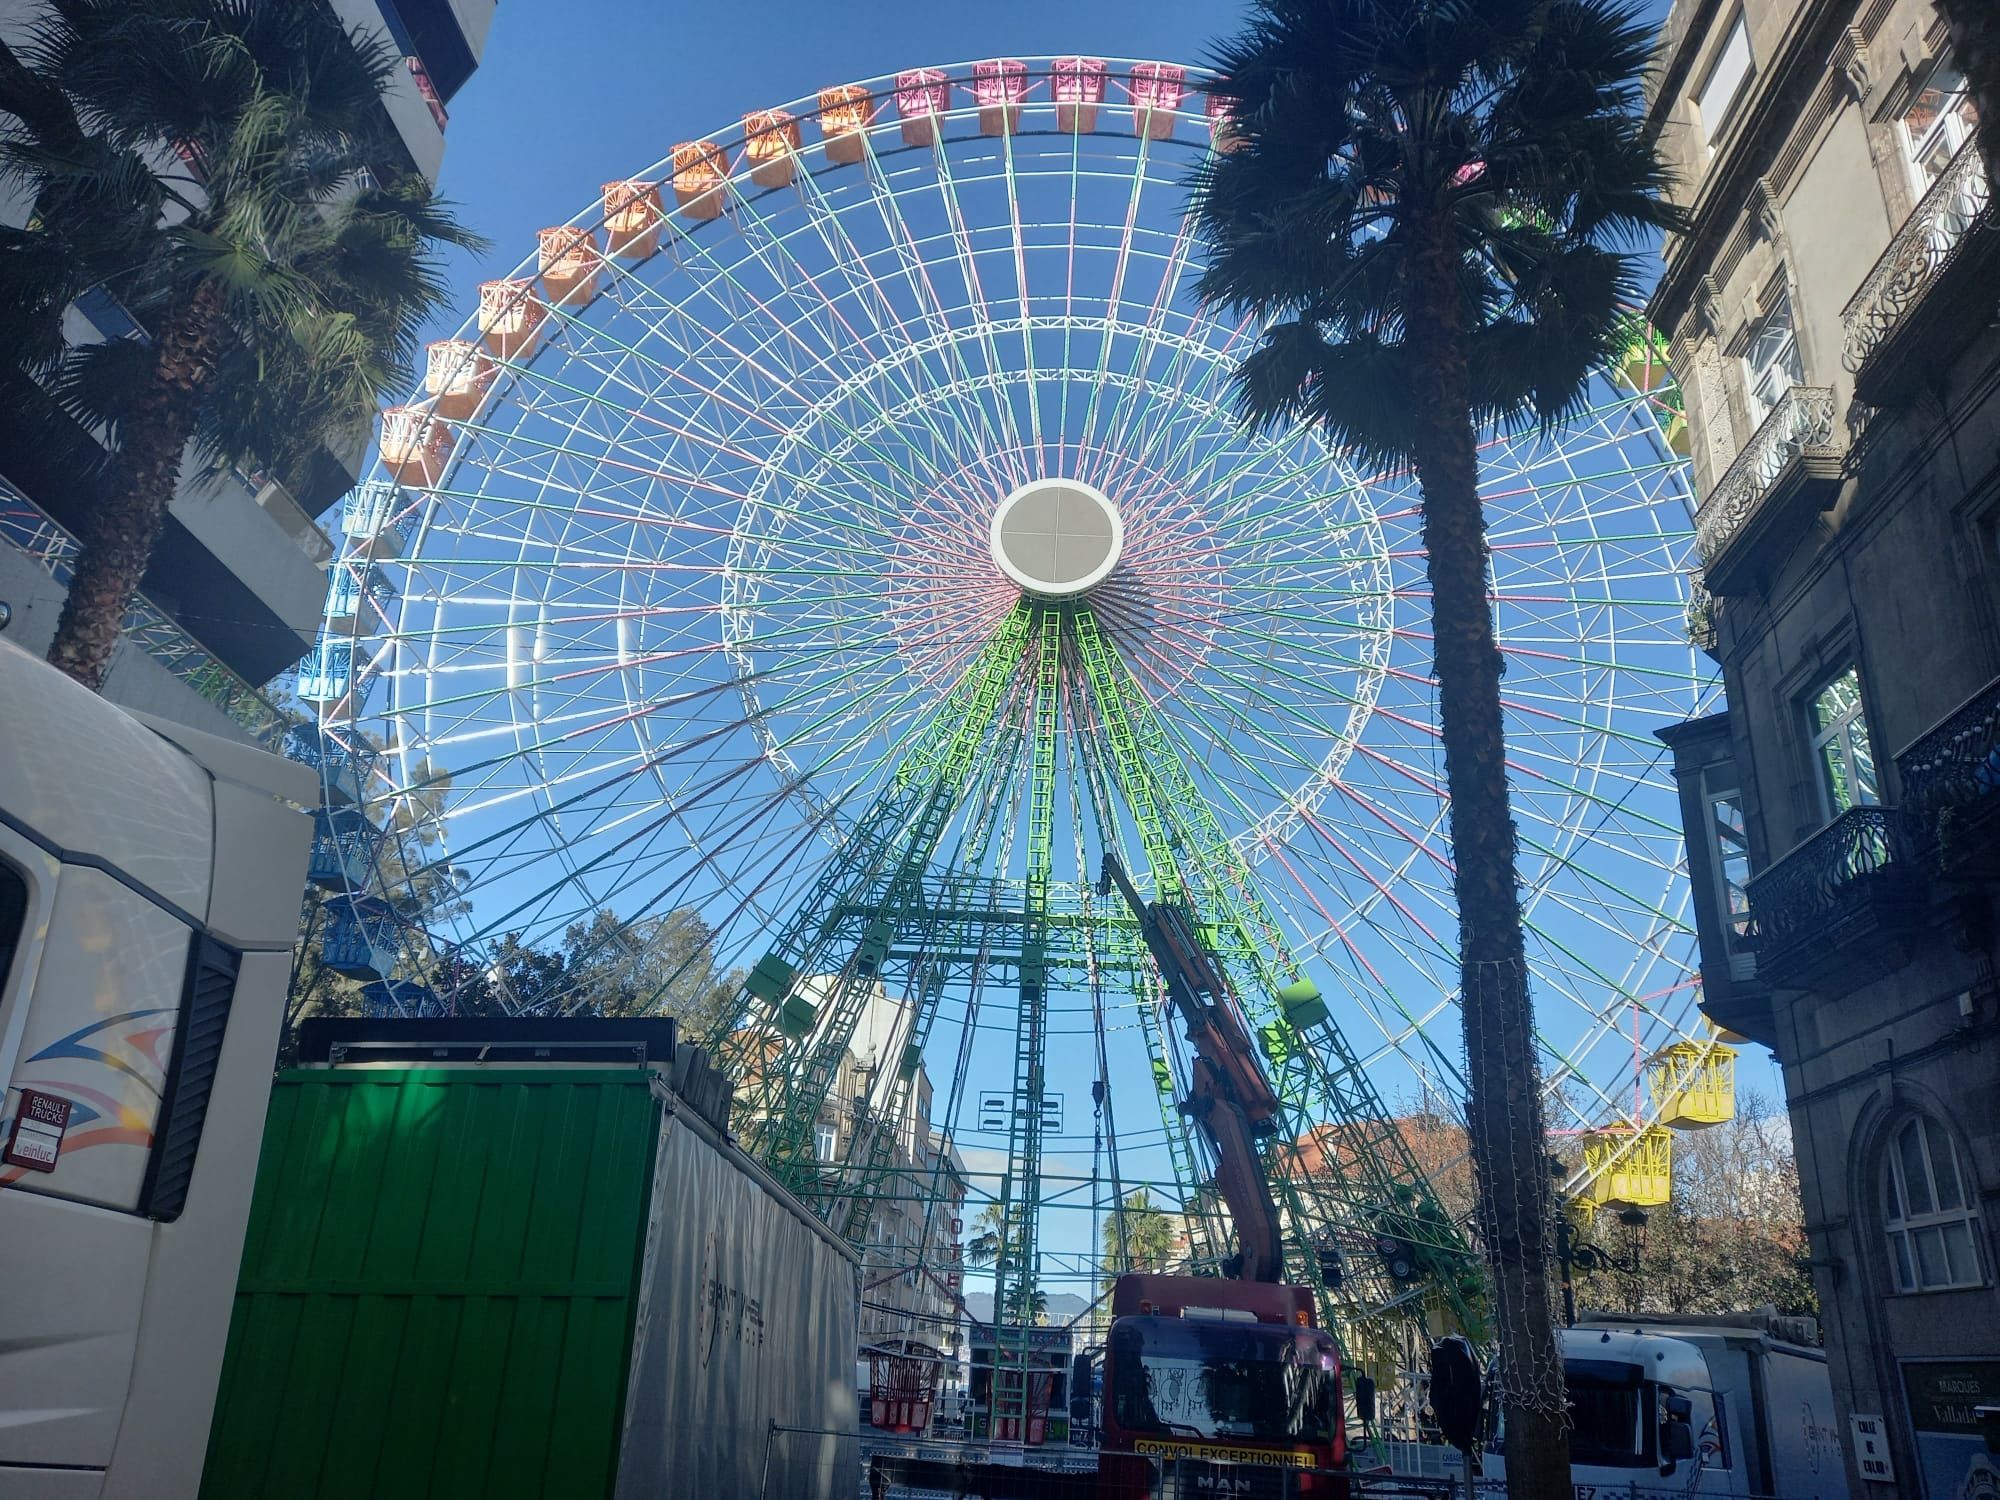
{"points": [[573, 93]]}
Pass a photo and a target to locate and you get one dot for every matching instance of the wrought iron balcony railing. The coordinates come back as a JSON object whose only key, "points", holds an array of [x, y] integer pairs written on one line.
{"points": [[1802, 420], [1956, 763], [1701, 629], [1957, 203], [25, 527], [1795, 898]]}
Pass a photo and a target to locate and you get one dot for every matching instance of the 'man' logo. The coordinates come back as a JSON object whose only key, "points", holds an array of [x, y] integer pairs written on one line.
{"points": [[1222, 1484]]}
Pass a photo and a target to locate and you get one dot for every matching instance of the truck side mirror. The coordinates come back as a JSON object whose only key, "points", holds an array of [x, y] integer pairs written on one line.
{"points": [[1676, 1443], [1079, 1389], [1364, 1400]]}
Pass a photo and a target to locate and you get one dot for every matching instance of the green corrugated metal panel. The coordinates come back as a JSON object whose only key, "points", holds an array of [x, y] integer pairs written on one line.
{"points": [[437, 1288]]}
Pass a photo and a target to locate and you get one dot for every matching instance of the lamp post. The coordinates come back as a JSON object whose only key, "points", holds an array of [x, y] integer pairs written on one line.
{"points": [[1573, 1254]]}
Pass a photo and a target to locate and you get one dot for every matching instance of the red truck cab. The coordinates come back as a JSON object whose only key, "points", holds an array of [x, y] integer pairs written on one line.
{"points": [[1223, 1385]]}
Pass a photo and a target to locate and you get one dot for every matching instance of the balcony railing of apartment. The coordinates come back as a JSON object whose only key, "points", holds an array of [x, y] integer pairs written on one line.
{"points": [[1848, 889], [25, 527], [1951, 787], [1799, 430], [1958, 205]]}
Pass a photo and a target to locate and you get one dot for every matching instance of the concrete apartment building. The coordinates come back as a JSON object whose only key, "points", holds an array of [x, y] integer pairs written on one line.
{"points": [[237, 584], [1831, 312]]}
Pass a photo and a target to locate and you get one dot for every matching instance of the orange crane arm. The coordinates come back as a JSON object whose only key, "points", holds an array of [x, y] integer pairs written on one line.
{"points": [[1230, 1099]]}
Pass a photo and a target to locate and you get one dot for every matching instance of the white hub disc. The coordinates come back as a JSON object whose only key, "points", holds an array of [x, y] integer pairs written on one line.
{"points": [[1057, 537]]}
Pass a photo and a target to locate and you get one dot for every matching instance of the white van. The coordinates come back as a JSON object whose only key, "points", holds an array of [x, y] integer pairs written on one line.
{"points": [[150, 879]]}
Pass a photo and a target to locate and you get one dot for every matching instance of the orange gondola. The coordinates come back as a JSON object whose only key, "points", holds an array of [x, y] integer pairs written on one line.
{"points": [[510, 317], [771, 141], [845, 112], [570, 265], [416, 445], [700, 169], [632, 217], [457, 375]]}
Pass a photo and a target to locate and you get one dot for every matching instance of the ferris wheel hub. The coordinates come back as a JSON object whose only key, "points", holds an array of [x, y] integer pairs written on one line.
{"points": [[1057, 538]]}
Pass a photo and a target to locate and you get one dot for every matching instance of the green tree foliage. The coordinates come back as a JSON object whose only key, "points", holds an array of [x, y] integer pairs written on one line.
{"points": [[222, 168], [660, 965], [1732, 1239], [1433, 209]]}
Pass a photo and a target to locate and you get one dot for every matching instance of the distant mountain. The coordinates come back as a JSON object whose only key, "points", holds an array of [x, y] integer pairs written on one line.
{"points": [[1063, 1307]]}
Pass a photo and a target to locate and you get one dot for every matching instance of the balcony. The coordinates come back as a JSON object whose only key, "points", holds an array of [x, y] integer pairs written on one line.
{"points": [[1841, 908], [1951, 790], [1932, 290], [1785, 475], [25, 527]]}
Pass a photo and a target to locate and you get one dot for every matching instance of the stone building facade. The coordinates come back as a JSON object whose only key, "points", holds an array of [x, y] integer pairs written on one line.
{"points": [[1831, 316], [911, 1262]]}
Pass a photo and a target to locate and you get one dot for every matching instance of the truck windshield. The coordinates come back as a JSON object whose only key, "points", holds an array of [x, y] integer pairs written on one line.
{"points": [[1607, 1409], [1191, 1378]]}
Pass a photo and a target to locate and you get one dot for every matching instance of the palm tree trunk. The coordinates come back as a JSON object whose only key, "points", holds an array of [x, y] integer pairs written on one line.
{"points": [[1973, 42], [119, 533], [1504, 1104]]}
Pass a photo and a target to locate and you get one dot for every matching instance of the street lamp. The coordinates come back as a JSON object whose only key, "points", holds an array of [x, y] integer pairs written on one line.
{"points": [[1573, 1254]]}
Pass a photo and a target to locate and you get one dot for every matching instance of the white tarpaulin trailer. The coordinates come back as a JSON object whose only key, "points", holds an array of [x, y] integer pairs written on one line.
{"points": [[742, 1378]]}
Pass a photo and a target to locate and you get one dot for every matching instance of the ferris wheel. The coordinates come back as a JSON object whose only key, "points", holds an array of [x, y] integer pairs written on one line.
{"points": [[723, 511]]}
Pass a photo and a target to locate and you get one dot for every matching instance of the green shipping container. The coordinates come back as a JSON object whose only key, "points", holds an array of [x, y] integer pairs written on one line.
{"points": [[439, 1284]]}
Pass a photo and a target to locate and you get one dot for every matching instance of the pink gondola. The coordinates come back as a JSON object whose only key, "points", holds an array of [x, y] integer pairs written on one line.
{"points": [[922, 95], [1157, 89], [1078, 84], [998, 86]]}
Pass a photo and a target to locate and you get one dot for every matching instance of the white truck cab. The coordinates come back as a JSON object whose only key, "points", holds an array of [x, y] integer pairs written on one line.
{"points": [[150, 879], [1758, 1408], [1732, 1404]]}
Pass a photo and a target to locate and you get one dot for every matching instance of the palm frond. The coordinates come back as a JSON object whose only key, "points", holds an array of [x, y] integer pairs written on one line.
{"points": [[1518, 122]]}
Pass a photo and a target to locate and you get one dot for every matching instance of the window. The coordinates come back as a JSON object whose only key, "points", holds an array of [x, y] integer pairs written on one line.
{"points": [[1723, 85], [825, 1139], [13, 917], [1771, 358], [1927, 1211], [1840, 748], [1936, 126], [1728, 861]]}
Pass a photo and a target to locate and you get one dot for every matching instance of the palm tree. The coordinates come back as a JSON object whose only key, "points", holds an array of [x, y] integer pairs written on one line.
{"points": [[217, 167], [1140, 1236], [1435, 207]]}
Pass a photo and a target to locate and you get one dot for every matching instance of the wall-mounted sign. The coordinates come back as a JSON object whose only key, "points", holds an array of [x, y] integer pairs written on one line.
{"points": [[1945, 1396], [37, 1137], [1871, 1449]]}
